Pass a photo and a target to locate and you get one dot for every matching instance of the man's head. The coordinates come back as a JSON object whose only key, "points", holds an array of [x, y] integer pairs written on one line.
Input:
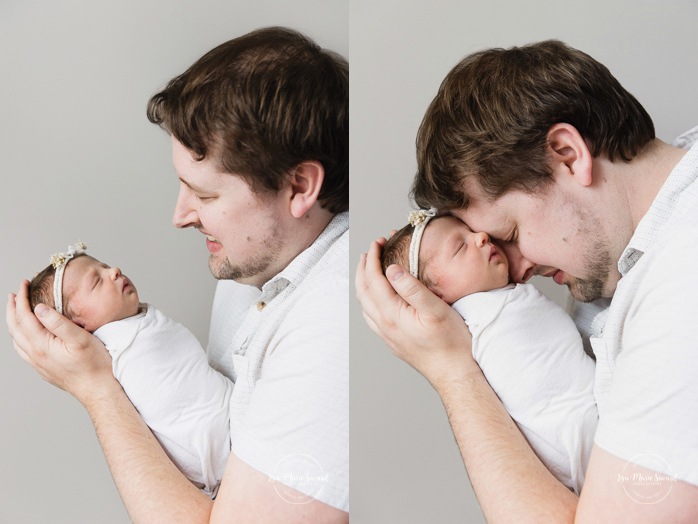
{"points": [[453, 260], [94, 294], [491, 117], [268, 110], [506, 132]]}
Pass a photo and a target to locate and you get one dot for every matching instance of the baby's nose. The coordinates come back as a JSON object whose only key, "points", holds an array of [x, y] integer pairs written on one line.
{"points": [[482, 238], [115, 273]]}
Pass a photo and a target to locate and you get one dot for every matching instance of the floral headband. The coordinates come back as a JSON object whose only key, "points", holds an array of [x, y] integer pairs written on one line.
{"points": [[59, 261], [419, 218]]}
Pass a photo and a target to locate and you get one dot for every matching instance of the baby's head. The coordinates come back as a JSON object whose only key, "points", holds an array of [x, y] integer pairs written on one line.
{"points": [[451, 260], [91, 293]]}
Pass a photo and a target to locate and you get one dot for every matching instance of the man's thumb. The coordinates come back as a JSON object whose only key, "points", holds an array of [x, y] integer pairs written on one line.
{"points": [[409, 288], [56, 323]]}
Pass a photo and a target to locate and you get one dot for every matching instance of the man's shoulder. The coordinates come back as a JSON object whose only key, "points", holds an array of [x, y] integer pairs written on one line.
{"points": [[678, 248], [329, 276]]}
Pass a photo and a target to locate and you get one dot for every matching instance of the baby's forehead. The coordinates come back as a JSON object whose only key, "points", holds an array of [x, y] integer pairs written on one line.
{"points": [[84, 263], [77, 269], [446, 226]]}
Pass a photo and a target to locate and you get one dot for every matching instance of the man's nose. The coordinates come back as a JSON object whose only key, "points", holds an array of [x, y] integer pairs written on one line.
{"points": [[520, 268], [184, 213]]}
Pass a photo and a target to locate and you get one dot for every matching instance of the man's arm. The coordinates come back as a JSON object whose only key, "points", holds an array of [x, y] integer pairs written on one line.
{"points": [[613, 492], [429, 335], [152, 488]]}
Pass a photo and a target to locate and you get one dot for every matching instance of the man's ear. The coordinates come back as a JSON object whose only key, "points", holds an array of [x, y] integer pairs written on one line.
{"points": [[305, 182], [569, 153]]}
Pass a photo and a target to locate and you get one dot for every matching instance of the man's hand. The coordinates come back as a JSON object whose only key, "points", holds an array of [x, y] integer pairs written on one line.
{"points": [[418, 326], [64, 354]]}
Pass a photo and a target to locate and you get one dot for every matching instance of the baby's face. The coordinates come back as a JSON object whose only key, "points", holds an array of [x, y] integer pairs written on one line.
{"points": [[97, 294], [461, 262]]}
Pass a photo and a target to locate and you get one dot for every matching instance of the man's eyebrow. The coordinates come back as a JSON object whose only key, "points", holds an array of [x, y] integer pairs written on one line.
{"points": [[193, 187]]}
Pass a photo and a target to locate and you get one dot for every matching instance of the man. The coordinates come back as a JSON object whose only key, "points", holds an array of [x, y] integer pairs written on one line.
{"points": [[543, 149], [259, 130]]}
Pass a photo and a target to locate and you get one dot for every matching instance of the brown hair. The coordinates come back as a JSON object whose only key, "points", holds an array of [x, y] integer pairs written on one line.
{"points": [[493, 111], [260, 105], [41, 288], [397, 251]]}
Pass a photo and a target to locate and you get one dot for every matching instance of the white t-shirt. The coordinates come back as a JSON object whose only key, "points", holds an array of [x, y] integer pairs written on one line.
{"points": [[287, 349], [164, 371], [647, 350], [532, 356]]}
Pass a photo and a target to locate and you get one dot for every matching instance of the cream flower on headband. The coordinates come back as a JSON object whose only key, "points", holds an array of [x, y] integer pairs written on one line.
{"points": [[58, 259], [417, 216]]}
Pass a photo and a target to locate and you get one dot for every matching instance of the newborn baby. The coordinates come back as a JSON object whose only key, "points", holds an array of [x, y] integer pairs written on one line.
{"points": [[159, 363], [525, 344]]}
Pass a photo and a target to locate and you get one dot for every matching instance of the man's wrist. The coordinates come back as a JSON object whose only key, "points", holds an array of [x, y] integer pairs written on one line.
{"points": [[99, 393], [453, 374]]}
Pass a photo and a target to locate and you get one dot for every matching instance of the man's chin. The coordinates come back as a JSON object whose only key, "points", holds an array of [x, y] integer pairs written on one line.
{"points": [[222, 269], [586, 290]]}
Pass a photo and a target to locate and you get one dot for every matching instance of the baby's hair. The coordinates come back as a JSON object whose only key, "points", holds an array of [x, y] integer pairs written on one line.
{"points": [[41, 290], [397, 251]]}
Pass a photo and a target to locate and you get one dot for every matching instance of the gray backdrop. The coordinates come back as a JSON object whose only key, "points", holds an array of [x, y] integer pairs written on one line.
{"points": [[80, 161], [405, 464]]}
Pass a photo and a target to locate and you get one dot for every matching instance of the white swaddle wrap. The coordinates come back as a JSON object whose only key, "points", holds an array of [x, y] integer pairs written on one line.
{"points": [[164, 371], [531, 354]]}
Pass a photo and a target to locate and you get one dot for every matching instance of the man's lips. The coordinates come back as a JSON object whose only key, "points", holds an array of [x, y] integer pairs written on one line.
{"points": [[557, 275], [212, 243], [208, 236]]}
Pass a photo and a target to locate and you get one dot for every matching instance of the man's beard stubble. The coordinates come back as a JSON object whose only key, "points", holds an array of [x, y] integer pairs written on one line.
{"points": [[598, 266], [225, 270]]}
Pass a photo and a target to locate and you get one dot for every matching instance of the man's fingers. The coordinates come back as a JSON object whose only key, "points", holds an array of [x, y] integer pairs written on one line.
{"points": [[10, 313], [372, 289], [371, 324], [22, 354], [22, 298], [24, 328]]}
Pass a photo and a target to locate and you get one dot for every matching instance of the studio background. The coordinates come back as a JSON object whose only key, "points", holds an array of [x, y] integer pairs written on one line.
{"points": [[80, 161], [405, 465]]}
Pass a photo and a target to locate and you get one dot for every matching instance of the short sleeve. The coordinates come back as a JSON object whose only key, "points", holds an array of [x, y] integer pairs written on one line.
{"points": [[650, 410], [296, 428]]}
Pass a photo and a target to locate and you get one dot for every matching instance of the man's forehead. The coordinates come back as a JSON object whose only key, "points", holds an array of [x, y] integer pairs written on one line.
{"points": [[488, 217], [193, 171]]}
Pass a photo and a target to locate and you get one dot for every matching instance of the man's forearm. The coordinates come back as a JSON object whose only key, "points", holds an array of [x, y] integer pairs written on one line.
{"points": [[151, 487], [508, 479]]}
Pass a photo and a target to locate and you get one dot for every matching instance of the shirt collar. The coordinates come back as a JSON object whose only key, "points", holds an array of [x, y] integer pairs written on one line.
{"points": [[300, 266], [664, 205]]}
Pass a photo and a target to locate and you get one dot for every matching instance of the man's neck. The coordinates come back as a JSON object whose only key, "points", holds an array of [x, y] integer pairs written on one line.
{"points": [[629, 188], [652, 167], [300, 235]]}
